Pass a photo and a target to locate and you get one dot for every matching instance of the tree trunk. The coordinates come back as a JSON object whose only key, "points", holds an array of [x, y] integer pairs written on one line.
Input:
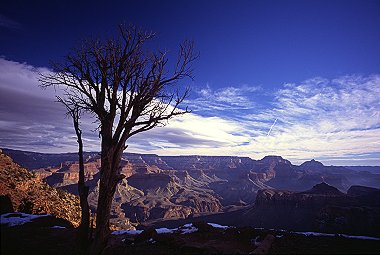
{"points": [[83, 190], [109, 178], [106, 191], [83, 194]]}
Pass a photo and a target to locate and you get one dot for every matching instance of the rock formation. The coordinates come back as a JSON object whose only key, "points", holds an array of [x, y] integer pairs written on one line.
{"points": [[31, 195], [170, 187], [322, 208]]}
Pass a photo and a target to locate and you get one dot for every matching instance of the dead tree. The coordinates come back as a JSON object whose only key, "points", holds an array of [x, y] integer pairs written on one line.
{"points": [[74, 111], [130, 90]]}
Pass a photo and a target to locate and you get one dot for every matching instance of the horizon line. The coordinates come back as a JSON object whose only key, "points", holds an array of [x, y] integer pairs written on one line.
{"points": [[192, 155]]}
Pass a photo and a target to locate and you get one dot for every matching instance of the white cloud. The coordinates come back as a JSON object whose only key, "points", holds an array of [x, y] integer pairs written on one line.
{"points": [[30, 117], [334, 120], [331, 120], [321, 118], [228, 98], [32, 120]]}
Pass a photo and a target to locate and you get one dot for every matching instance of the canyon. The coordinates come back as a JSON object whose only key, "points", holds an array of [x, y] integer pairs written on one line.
{"points": [[21, 191], [163, 188]]}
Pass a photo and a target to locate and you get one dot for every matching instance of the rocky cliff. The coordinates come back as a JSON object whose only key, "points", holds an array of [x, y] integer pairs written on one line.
{"points": [[31, 195], [168, 187], [322, 208]]}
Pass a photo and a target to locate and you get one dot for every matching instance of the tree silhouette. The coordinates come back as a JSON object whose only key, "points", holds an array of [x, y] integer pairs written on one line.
{"points": [[129, 90], [74, 111]]}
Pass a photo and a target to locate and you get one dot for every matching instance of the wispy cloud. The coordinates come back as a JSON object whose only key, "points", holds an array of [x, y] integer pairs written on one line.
{"points": [[32, 120], [225, 99], [321, 118], [190, 134], [336, 121], [30, 117]]}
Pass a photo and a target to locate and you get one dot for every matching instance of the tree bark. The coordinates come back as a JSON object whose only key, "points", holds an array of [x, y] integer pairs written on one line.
{"points": [[109, 177], [106, 191], [102, 231], [83, 193]]}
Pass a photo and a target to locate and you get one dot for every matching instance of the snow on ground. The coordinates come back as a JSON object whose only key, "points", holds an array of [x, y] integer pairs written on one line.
{"points": [[58, 227], [188, 228], [166, 230], [129, 232], [185, 229], [337, 235], [152, 241], [214, 225], [15, 219], [362, 237]]}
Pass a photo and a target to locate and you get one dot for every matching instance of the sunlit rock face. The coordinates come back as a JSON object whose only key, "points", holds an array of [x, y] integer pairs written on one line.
{"points": [[169, 187], [31, 195]]}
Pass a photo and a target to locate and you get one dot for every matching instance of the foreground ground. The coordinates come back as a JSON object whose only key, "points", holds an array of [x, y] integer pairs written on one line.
{"points": [[47, 235]]}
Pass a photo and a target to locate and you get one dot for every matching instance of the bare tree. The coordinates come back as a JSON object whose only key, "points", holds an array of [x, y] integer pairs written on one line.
{"points": [[130, 90], [74, 111]]}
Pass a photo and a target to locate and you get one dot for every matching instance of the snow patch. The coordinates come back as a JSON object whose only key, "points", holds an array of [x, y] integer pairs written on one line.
{"points": [[363, 237], [257, 241], [166, 230], [188, 229], [214, 225], [338, 235], [58, 227], [185, 229], [16, 219], [129, 232], [152, 241]]}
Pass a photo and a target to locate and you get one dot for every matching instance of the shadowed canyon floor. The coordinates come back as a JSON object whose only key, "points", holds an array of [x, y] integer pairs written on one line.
{"points": [[40, 237]]}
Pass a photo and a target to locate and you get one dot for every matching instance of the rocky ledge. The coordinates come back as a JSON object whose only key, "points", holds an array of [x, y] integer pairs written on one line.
{"points": [[323, 208], [31, 195]]}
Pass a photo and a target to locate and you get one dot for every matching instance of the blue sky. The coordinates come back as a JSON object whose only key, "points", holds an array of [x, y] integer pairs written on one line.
{"points": [[298, 79]]}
